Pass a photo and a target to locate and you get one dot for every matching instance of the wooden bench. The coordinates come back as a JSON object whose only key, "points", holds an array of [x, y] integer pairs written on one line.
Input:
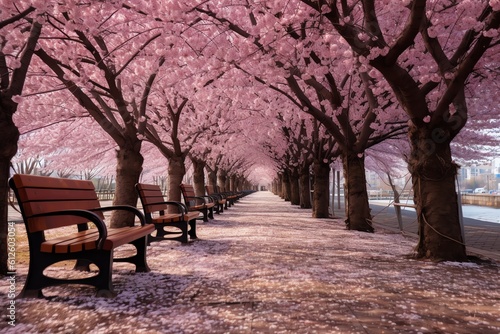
{"points": [[231, 196], [48, 203], [163, 214], [201, 204], [220, 200]]}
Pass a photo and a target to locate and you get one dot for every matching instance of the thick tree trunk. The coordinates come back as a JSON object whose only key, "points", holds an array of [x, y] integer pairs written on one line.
{"points": [[321, 196], [128, 170], [9, 135], [433, 176], [212, 180], [233, 185], [305, 193], [199, 177], [280, 185], [286, 186], [357, 209], [221, 180], [294, 188], [176, 172]]}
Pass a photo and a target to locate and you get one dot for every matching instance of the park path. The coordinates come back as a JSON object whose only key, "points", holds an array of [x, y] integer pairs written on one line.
{"points": [[264, 266]]}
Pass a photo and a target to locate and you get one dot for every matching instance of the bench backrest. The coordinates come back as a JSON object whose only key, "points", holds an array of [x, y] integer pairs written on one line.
{"points": [[151, 197], [187, 191], [42, 194]]}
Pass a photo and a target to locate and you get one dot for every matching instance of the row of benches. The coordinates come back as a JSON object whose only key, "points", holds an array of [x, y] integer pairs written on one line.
{"points": [[48, 203]]}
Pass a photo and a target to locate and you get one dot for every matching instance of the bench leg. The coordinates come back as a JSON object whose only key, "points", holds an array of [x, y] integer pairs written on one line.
{"points": [[139, 259], [205, 215], [211, 213], [184, 236], [36, 280], [82, 265], [192, 229], [103, 280]]}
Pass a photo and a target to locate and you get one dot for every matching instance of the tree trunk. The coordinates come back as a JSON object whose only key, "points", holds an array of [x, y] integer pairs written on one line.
{"points": [[286, 185], [321, 189], [275, 187], [199, 177], [233, 183], [294, 188], [9, 135], [221, 180], [128, 170], [433, 176], [357, 209], [305, 195], [176, 172], [212, 180], [280, 185]]}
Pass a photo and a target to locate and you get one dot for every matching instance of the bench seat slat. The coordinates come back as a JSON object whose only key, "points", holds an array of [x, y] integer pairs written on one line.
{"points": [[69, 243], [87, 240], [124, 235], [174, 217], [201, 206]]}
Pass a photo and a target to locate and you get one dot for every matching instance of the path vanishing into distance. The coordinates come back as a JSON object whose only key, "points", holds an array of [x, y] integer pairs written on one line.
{"points": [[265, 266]]}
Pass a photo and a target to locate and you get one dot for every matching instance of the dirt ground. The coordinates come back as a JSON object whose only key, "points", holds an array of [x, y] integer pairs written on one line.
{"points": [[264, 266]]}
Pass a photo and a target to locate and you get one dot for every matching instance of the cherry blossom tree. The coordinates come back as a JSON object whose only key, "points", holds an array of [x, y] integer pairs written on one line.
{"points": [[115, 55], [20, 29], [433, 62], [289, 51]]}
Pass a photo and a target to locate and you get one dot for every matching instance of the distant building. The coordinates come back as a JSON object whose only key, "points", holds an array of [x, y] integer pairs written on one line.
{"points": [[480, 176]]}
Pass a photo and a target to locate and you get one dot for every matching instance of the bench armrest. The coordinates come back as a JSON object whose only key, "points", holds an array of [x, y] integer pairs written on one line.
{"points": [[204, 198], [181, 206], [92, 217], [130, 208], [215, 197]]}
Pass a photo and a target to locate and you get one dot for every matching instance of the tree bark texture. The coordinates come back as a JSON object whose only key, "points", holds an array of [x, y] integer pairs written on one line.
{"points": [[433, 176], [176, 172], [321, 196], [128, 170], [221, 180], [286, 186], [212, 180], [199, 177], [357, 209], [305, 192], [9, 135], [294, 188]]}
